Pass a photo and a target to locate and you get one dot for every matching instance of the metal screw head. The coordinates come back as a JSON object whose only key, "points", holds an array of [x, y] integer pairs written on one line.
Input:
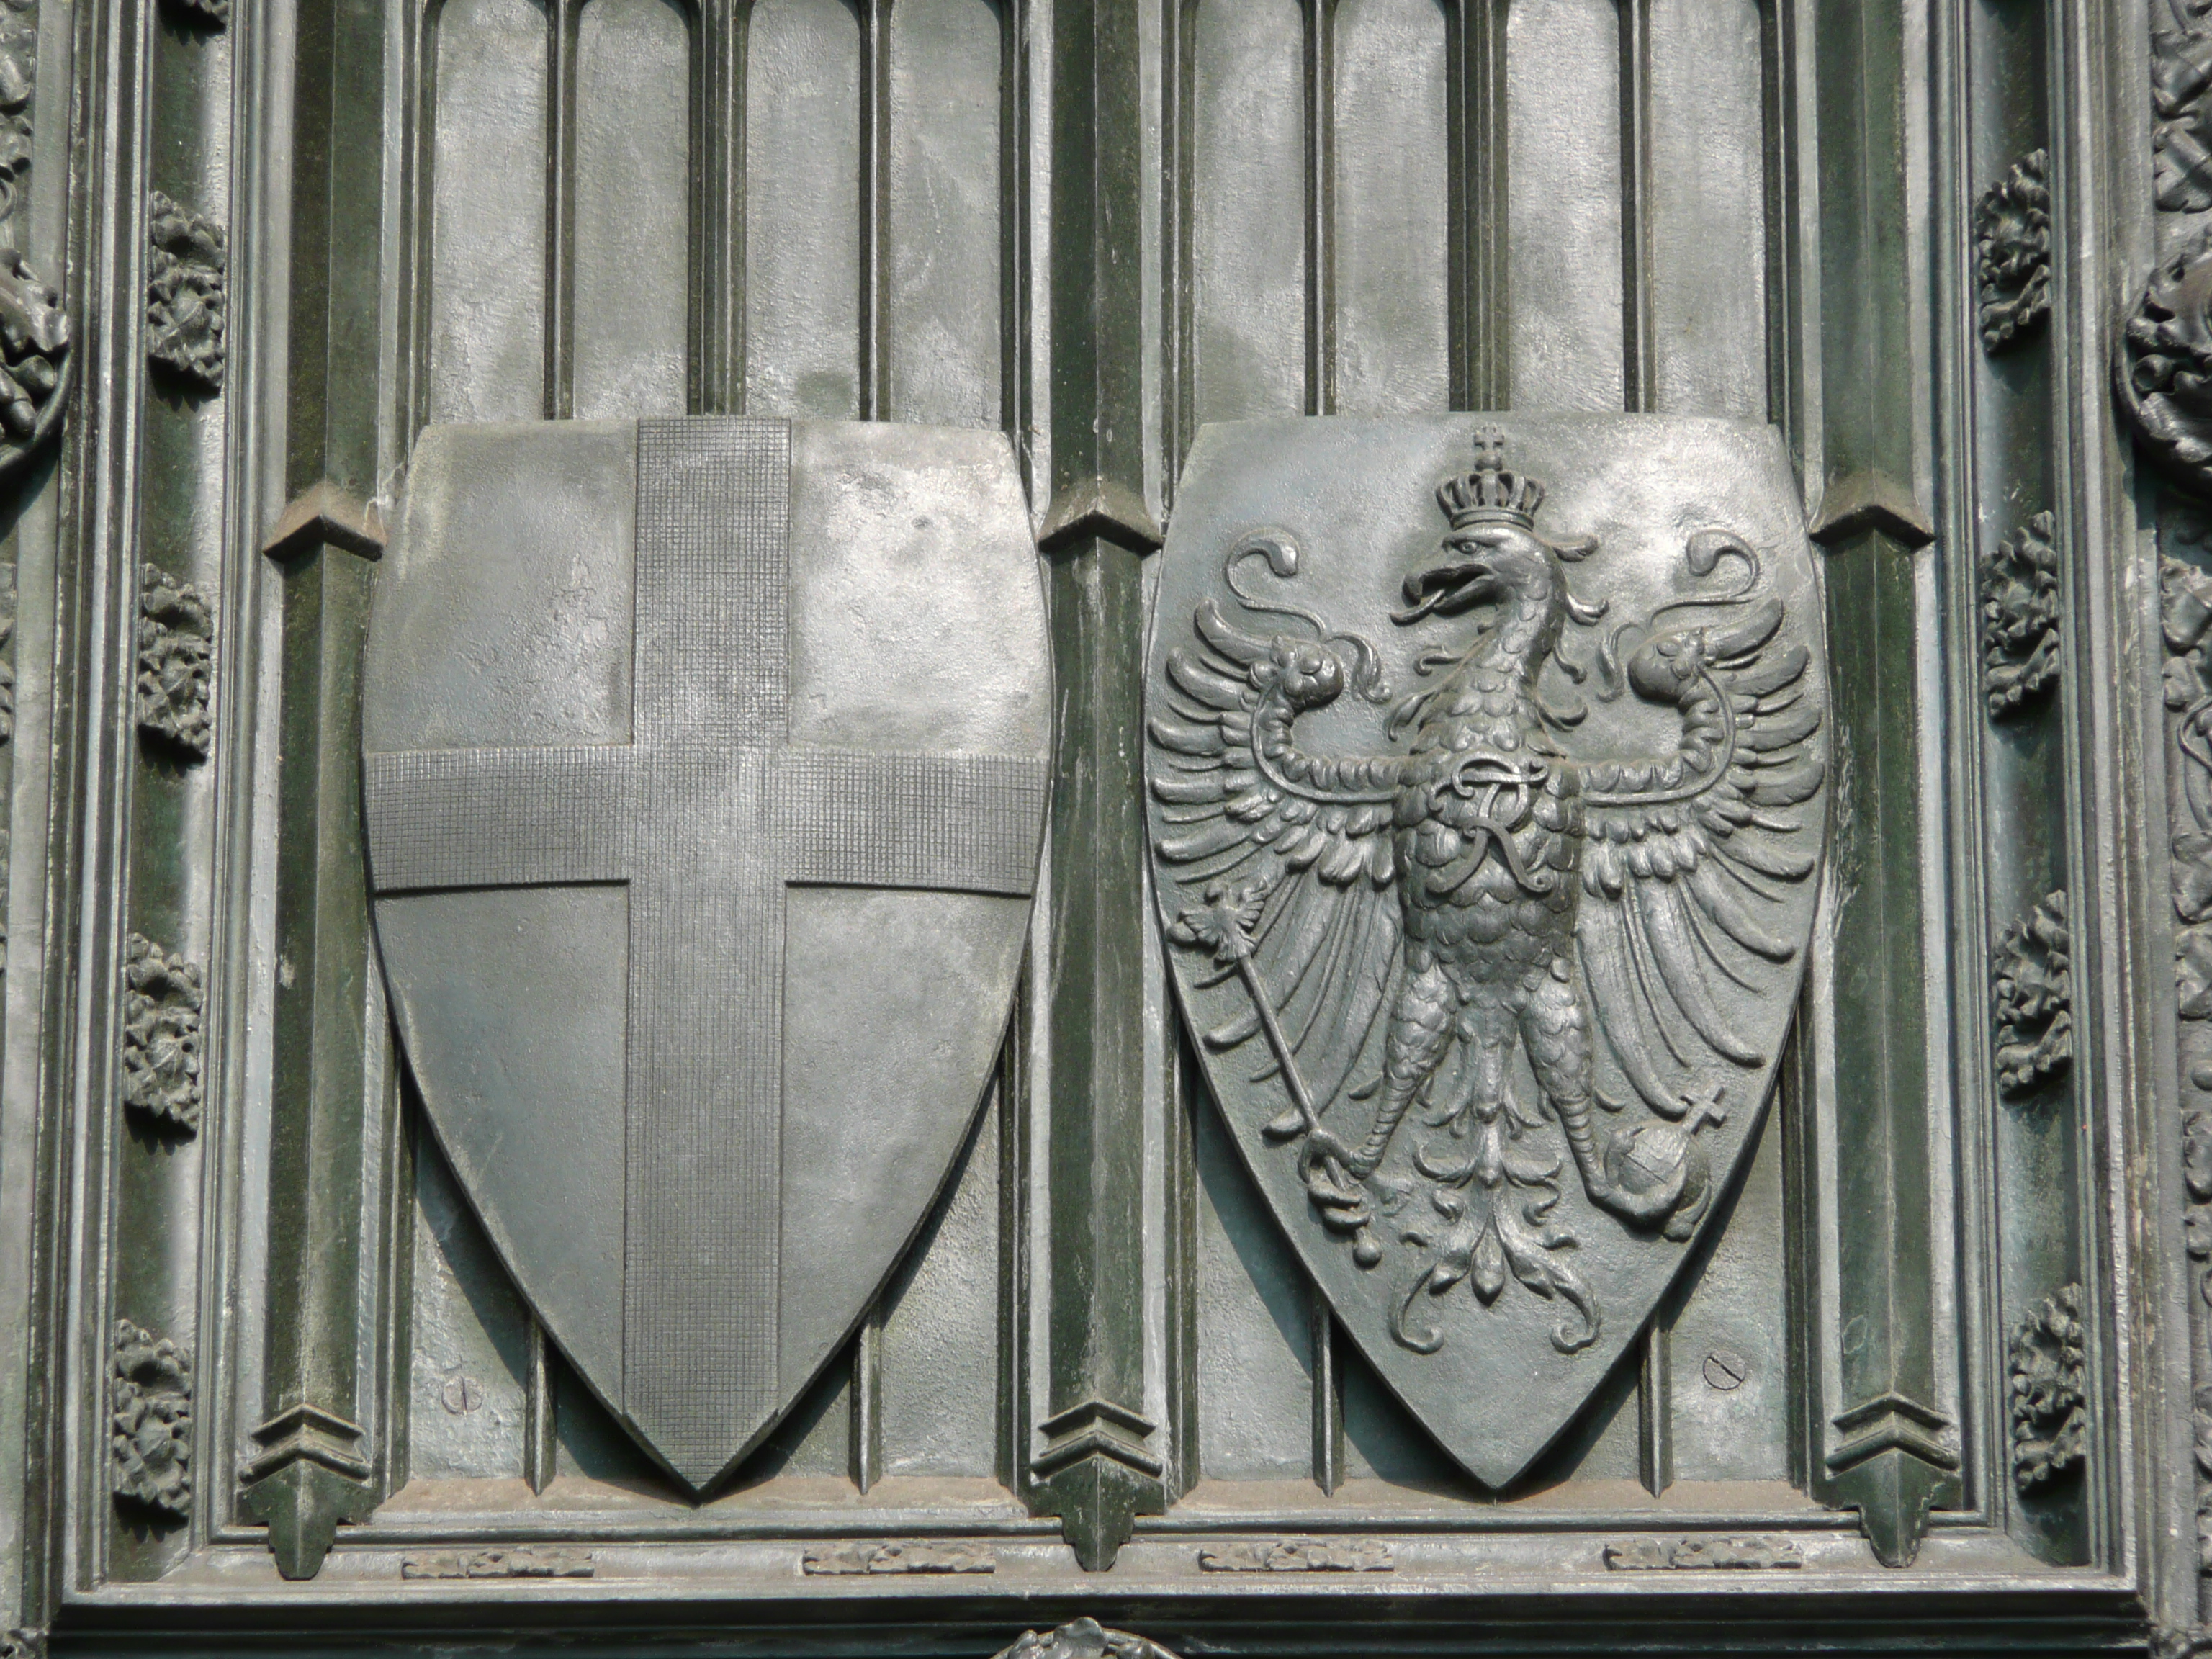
{"points": [[461, 1394], [1725, 1370]]}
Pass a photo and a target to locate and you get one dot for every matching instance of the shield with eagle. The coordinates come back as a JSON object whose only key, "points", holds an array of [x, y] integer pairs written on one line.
{"points": [[1487, 763], [704, 772]]}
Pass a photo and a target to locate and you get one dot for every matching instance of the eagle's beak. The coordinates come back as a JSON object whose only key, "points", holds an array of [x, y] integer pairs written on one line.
{"points": [[1460, 575]]}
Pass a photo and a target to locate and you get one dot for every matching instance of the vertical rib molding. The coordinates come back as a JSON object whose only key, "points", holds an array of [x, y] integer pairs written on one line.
{"points": [[867, 1448], [561, 210], [1320, 17], [1178, 356], [718, 134], [865, 1458], [875, 207], [90, 744], [540, 1426], [309, 1469], [1014, 319], [1886, 1444], [1477, 318], [1327, 1393], [1638, 364], [1777, 60], [1654, 1407], [1098, 1466]]}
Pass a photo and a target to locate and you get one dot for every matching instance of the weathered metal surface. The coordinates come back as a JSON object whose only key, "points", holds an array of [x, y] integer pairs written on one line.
{"points": [[1487, 844], [1909, 236], [705, 777]]}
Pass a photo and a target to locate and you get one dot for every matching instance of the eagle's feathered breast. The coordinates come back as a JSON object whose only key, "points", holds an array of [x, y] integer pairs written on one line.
{"points": [[1489, 868]]}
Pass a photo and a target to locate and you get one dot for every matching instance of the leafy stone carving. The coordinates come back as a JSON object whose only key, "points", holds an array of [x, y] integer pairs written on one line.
{"points": [[2049, 1373], [34, 343], [1708, 1554], [2185, 622], [187, 293], [2020, 616], [2181, 133], [2162, 372], [2196, 1172], [176, 657], [518, 1563], [19, 73], [1300, 1555], [7, 667], [34, 333], [161, 999], [2011, 252], [22, 1644], [2201, 1422], [1083, 1639], [2185, 612], [2193, 945], [2034, 983], [150, 1425], [899, 1555]]}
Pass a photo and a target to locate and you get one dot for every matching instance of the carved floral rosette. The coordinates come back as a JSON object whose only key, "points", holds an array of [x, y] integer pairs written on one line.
{"points": [[202, 14], [2162, 371], [2181, 105], [34, 362], [2012, 253], [187, 293], [1083, 1639], [2050, 1403], [2185, 593], [2185, 623], [176, 660], [151, 1422], [162, 995], [35, 330], [2033, 976], [2020, 618]]}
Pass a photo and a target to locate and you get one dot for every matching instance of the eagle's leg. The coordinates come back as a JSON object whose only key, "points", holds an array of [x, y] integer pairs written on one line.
{"points": [[1555, 1031], [1420, 1028], [1485, 1041], [1486, 1033], [1555, 1027]]}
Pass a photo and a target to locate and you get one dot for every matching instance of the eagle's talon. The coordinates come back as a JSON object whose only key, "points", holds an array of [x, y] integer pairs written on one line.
{"points": [[1643, 1209], [1321, 1146]]}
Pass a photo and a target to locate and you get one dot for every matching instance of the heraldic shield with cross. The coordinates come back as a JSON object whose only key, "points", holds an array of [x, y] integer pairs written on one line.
{"points": [[1487, 760], [705, 774]]}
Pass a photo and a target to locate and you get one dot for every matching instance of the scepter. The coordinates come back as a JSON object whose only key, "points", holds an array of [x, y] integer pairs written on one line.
{"points": [[1223, 924]]}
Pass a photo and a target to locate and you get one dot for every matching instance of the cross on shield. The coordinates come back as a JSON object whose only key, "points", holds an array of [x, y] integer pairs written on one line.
{"points": [[791, 725]]}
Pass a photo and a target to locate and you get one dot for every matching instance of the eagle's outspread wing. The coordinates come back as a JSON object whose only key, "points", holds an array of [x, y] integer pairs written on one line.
{"points": [[1302, 840], [1686, 857]]}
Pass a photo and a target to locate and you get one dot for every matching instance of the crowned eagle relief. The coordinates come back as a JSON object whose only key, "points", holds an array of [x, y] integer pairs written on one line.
{"points": [[1489, 925]]}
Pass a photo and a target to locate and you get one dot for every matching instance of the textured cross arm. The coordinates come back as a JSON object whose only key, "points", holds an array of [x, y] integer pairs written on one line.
{"points": [[498, 818], [963, 824]]}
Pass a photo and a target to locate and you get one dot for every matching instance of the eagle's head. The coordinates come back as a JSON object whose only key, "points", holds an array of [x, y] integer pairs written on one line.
{"points": [[1484, 562], [1492, 551]]}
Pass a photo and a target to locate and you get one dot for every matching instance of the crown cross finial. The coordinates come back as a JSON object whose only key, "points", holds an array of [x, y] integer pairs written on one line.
{"points": [[1493, 493]]}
